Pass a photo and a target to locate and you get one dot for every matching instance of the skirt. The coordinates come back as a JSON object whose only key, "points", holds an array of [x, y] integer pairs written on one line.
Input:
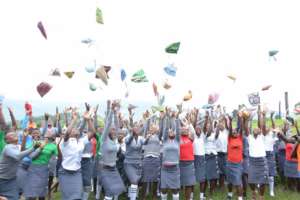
{"points": [[234, 173], [52, 166], [151, 168], [187, 173], [8, 189], [37, 181], [170, 177], [211, 167], [271, 163], [258, 170], [199, 163], [86, 170], [21, 178], [290, 169], [111, 181], [133, 172], [281, 160], [70, 184], [222, 159], [245, 165]]}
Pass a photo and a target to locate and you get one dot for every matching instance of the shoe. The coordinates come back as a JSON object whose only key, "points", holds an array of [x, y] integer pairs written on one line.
{"points": [[228, 198], [272, 194]]}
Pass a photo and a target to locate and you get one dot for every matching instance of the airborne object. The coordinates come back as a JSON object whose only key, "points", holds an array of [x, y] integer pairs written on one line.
{"points": [[273, 53], [139, 77], [99, 17], [55, 72], [188, 96], [69, 74], [101, 74], [43, 88], [213, 98], [170, 70], [173, 48], [266, 87], [42, 29], [254, 99]]}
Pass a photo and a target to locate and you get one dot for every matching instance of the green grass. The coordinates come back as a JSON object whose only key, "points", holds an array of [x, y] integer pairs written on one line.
{"points": [[280, 194]]}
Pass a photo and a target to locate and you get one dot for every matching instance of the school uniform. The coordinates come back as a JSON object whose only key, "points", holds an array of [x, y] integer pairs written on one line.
{"points": [[269, 141], [38, 172], [9, 161], [187, 169], [211, 157], [245, 155], [235, 160], [291, 164], [222, 151], [258, 167], [69, 174], [199, 158], [170, 171]]}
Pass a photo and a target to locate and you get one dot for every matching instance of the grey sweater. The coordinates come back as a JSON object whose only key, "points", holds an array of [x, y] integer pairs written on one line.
{"points": [[109, 147], [171, 147], [9, 160], [152, 145]]}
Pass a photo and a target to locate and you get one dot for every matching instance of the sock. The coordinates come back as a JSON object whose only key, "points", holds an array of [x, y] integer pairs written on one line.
{"points": [[192, 196], [201, 195], [108, 198], [230, 194], [85, 196], [175, 196], [116, 197], [271, 184], [240, 198], [133, 192], [164, 196], [98, 191]]}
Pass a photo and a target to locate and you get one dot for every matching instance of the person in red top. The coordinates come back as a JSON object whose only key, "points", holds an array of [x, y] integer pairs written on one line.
{"points": [[187, 169], [291, 163], [235, 160]]}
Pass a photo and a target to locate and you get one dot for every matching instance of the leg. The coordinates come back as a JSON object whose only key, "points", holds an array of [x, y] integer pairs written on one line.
{"points": [[212, 187], [154, 189], [271, 185], [239, 192], [188, 191], [245, 184], [222, 181], [202, 190], [133, 191], [230, 194], [42, 198], [262, 191], [252, 187], [50, 182], [175, 194], [95, 185], [164, 194], [143, 191]]}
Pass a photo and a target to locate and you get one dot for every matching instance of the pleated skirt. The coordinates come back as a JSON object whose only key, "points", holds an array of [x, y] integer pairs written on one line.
{"points": [[187, 173], [87, 171], [258, 170], [8, 189], [199, 164], [290, 169], [222, 159], [133, 172], [211, 167], [271, 163], [151, 168], [111, 181], [170, 177], [234, 173], [70, 183]]}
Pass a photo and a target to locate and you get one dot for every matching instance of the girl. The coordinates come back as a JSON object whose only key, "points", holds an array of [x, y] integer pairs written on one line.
{"points": [[258, 168], [109, 175], [235, 160], [70, 177], [133, 157], [170, 172], [187, 169], [151, 158], [211, 162]]}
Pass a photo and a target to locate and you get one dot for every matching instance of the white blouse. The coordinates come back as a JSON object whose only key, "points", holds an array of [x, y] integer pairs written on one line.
{"points": [[256, 146]]}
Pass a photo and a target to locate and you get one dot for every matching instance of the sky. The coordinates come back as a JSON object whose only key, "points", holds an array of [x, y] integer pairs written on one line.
{"points": [[218, 38]]}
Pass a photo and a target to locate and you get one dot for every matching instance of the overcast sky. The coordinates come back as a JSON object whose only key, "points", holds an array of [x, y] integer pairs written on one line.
{"points": [[218, 38]]}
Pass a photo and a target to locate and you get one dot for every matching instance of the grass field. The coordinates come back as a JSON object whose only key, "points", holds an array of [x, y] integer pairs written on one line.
{"points": [[280, 194]]}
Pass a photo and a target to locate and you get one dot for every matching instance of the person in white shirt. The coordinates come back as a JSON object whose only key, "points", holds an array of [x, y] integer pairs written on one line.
{"points": [[199, 161], [258, 170], [270, 138], [210, 142], [71, 149], [222, 141]]}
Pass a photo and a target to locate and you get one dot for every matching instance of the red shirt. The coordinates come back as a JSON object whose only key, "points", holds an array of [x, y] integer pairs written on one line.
{"points": [[288, 152], [235, 149], [94, 143], [186, 148], [298, 156]]}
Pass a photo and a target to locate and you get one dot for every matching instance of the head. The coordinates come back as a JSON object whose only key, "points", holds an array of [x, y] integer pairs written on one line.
{"points": [[50, 136], [256, 131], [171, 134], [153, 129], [137, 129], [221, 125], [11, 138], [112, 133], [35, 134], [184, 130], [74, 133], [198, 130], [235, 132], [209, 127]]}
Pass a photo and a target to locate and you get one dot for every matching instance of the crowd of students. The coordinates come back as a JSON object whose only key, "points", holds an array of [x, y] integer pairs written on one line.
{"points": [[162, 153]]}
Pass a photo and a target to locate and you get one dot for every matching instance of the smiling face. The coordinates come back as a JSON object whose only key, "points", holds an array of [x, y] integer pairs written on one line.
{"points": [[11, 138], [74, 133], [35, 134], [112, 133], [171, 134]]}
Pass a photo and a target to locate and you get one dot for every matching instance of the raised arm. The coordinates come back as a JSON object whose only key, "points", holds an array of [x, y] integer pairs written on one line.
{"points": [[177, 129], [259, 117], [107, 126], [130, 117], [45, 127], [24, 137], [96, 117], [272, 120], [263, 123], [71, 125], [66, 117], [91, 129], [3, 125], [13, 119]]}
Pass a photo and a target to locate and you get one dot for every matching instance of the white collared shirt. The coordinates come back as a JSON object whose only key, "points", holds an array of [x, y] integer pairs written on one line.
{"points": [[222, 141], [270, 140], [72, 152], [256, 146], [211, 144], [199, 147]]}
